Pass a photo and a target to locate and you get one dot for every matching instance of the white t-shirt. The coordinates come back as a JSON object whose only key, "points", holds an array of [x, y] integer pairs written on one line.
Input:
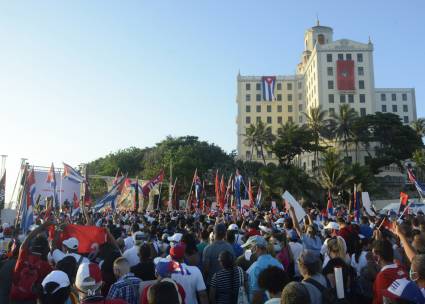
{"points": [[58, 255], [296, 249], [128, 242], [191, 280], [362, 262], [132, 255]]}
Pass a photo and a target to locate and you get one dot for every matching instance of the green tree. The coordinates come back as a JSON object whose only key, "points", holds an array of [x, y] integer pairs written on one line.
{"points": [[250, 139], [292, 140], [419, 127], [317, 122], [333, 173], [259, 137], [344, 120]]}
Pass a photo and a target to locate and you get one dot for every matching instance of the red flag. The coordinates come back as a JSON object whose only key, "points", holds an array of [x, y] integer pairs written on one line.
{"points": [[345, 75], [387, 224], [250, 194], [152, 183], [217, 188], [89, 237], [76, 201], [222, 192], [403, 201], [87, 197]]}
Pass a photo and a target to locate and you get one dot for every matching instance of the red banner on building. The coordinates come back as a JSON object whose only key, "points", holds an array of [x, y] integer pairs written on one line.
{"points": [[345, 75]]}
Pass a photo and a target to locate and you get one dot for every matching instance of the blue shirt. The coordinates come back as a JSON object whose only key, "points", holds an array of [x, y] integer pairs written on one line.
{"points": [[126, 288], [366, 231], [263, 262], [314, 244]]}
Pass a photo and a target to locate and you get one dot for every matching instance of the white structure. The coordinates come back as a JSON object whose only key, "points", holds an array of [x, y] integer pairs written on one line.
{"points": [[330, 73]]}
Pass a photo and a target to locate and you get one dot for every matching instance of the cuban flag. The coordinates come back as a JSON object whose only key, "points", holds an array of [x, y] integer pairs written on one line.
{"points": [[268, 83], [258, 197], [72, 174], [28, 202], [152, 183], [238, 183], [330, 207], [198, 190], [412, 178], [111, 197], [51, 179]]}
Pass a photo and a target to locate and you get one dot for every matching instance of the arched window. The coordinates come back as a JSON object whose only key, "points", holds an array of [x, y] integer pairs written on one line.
{"points": [[321, 39]]}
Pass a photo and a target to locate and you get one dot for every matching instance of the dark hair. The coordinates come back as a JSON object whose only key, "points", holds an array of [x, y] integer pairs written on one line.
{"points": [[230, 236], [205, 234], [295, 293], [288, 223], [144, 252], [384, 249], [165, 293], [68, 265], [190, 242], [227, 260], [47, 297], [273, 279]]}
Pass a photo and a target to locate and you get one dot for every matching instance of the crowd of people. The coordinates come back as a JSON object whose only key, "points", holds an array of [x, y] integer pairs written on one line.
{"points": [[221, 257]]}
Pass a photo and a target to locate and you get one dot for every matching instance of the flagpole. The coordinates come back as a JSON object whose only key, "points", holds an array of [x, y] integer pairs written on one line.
{"points": [[170, 188], [190, 191], [159, 196], [20, 197], [60, 188]]}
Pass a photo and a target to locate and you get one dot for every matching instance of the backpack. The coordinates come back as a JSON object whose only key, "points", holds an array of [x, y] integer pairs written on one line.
{"points": [[25, 283], [328, 293]]}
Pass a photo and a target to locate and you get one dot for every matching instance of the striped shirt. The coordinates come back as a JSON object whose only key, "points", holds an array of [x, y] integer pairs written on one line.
{"points": [[126, 288], [222, 282]]}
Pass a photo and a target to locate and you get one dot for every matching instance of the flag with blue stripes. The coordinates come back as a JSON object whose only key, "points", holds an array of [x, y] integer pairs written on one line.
{"points": [[110, 198], [268, 83], [72, 174], [28, 202]]}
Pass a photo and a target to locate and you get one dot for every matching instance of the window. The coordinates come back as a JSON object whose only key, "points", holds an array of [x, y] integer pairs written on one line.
{"points": [[331, 111], [300, 119], [279, 86], [362, 98], [404, 96], [348, 160], [258, 109], [360, 71], [248, 119], [362, 112], [329, 57], [258, 119], [384, 108], [289, 86], [289, 97], [269, 154], [248, 97], [269, 108], [321, 39], [248, 109], [361, 84], [393, 97], [331, 98], [258, 97], [290, 108], [290, 119], [350, 98], [300, 107], [248, 154], [258, 154], [269, 119], [340, 56], [279, 119], [394, 108], [383, 97], [330, 71], [405, 108], [300, 96], [342, 98], [406, 119], [367, 159], [279, 97], [279, 108], [348, 56], [299, 85], [360, 57], [248, 86], [330, 84]]}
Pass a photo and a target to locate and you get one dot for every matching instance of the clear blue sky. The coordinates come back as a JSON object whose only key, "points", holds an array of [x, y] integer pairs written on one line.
{"points": [[80, 79]]}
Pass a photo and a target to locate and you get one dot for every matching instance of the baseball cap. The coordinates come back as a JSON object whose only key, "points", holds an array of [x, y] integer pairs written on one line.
{"points": [[177, 252], [89, 277], [56, 276], [406, 290], [332, 225], [233, 227], [71, 243], [164, 268], [176, 237], [255, 240]]}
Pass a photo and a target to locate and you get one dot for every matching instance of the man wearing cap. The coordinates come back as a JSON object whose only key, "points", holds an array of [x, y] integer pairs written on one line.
{"points": [[258, 246], [56, 288], [89, 282], [69, 248], [190, 277], [210, 255]]}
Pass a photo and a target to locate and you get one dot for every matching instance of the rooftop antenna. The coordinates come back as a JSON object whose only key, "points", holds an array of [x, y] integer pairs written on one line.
{"points": [[370, 41], [317, 20]]}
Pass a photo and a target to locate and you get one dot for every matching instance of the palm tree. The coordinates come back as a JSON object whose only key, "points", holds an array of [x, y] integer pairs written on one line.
{"points": [[317, 123], [344, 124], [259, 137], [333, 173], [419, 126]]}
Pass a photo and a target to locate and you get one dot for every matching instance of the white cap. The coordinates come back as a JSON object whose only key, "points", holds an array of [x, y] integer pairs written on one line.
{"points": [[56, 276], [176, 237], [332, 225], [280, 221], [71, 243], [233, 227]]}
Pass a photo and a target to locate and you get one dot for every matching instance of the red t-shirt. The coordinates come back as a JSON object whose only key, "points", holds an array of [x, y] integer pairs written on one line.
{"points": [[144, 297], [384, 279], [43, 268]]}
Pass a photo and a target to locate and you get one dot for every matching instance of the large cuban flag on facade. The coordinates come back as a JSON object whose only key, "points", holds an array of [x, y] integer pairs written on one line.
{"points": [[268, 83]]}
